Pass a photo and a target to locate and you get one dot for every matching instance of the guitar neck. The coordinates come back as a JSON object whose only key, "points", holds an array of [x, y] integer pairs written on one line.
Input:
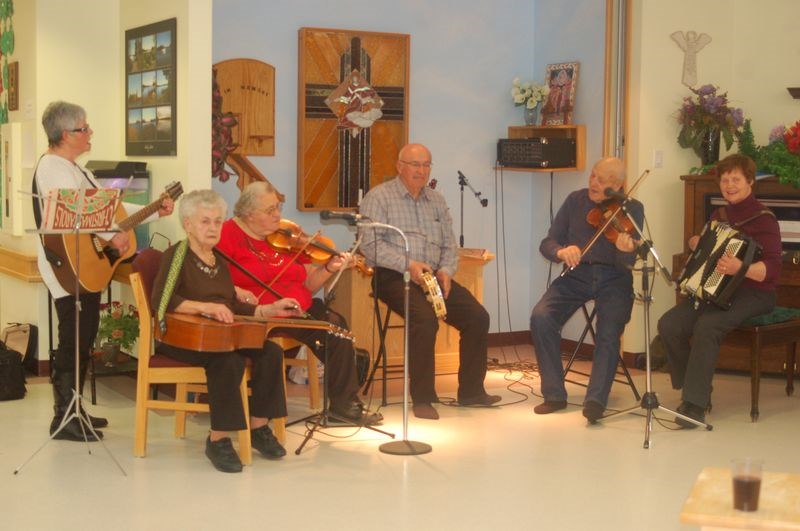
{"points": [[135, 219]]}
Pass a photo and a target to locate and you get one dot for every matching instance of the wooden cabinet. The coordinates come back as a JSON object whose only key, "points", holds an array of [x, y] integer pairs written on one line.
{"points": [[354, 301], [698, 190], [577, 132]]}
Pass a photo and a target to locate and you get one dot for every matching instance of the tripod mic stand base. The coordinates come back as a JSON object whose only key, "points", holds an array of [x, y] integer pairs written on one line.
{"points": [[405, 447]]}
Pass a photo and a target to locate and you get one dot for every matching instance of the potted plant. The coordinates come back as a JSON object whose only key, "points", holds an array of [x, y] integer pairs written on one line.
{"points": [[781, 156], [706, 116], [530, 95], [119, 327]]}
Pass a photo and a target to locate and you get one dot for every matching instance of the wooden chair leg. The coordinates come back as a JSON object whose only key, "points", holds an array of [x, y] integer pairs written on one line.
{"points": [[791, 359], [245, 445], [140, 429], [755, 374], [279, 429], [314, 400], [181, 395]]}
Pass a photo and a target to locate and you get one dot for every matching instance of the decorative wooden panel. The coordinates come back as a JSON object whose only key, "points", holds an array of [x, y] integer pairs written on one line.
{"points": [[336, 168], [248, 91]]}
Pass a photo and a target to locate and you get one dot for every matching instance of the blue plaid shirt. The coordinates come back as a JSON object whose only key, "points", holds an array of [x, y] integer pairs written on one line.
{"points": [[425, 221]]}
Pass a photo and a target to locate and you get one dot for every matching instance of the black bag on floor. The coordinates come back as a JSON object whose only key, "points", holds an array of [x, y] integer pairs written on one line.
{"points": [[12, 375], [23, 338]]}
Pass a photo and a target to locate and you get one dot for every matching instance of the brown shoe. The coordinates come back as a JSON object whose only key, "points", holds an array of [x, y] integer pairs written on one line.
{"points": [[485, 400], [425, 411], [549, 406]]}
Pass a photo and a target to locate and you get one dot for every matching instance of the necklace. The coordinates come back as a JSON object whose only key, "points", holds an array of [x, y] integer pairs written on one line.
{"points": [[211, 270]]}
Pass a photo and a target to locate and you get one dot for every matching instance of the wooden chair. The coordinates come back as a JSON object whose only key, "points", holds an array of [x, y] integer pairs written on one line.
{"points": [[764, 331], [310, 363], [156, 369]]}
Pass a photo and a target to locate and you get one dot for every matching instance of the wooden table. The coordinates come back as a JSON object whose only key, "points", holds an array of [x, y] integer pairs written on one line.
{"points": [[710, 504]]}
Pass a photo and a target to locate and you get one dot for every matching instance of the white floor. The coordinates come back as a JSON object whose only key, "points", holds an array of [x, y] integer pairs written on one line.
{"points": [[502, 468]]}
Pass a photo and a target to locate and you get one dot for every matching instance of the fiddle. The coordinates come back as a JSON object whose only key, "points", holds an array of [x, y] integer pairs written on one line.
{"points": [[599, 216], [289, 237]]}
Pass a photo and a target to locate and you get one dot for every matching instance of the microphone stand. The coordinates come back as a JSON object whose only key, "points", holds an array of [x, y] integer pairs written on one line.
{"points": [[462, 182], [404, 446], [649, 400]]}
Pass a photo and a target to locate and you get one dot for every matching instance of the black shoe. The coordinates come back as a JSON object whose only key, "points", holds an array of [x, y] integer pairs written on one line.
{"points": [[480, 400], [265, 442], [222, 455], [355, 412], [97, 422], [692, 411], [549, 406], [72, 431], [593, 411]]}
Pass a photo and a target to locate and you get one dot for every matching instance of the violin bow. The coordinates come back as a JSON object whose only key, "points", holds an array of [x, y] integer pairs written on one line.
{"points": [[329, 296]]}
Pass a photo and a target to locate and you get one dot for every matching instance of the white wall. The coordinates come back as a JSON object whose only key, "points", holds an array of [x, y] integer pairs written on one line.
{"points": [[753, 56], [73, 51], [464, 55]]}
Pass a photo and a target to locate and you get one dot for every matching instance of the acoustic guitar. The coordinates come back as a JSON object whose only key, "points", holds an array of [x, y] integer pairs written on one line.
{"points": [[203, 334], [98, 259]]}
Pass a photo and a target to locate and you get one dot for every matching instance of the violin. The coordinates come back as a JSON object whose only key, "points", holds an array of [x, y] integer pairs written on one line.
{"points": [[319, 249], [599, 215]]}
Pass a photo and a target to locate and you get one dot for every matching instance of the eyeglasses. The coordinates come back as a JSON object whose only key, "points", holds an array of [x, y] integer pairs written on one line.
{"points": [[417, 165], [274, 208], [84, 129]]}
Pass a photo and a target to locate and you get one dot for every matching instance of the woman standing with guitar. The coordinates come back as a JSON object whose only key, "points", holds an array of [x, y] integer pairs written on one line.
{"points": [[69, 136], [192, 280], [257, 216]]}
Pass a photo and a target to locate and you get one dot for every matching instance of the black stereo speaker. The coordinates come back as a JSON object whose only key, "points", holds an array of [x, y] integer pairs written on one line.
{"points": [[540, 152]]}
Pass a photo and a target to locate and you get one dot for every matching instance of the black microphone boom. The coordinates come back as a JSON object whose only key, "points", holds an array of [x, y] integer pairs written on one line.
{"points": [[615, 194], [350, 217]]}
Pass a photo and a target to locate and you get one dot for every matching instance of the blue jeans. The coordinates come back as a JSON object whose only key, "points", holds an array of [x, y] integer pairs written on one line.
{"points": [[612, 291]]}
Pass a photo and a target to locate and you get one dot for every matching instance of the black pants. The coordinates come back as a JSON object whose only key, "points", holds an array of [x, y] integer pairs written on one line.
{"points": [[464, 313], [224, 372], [89, 322], [341, 367], [693, 363]]}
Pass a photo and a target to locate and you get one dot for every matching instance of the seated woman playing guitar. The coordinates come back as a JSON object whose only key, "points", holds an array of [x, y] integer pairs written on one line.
{"points": [[257, 215], [191, 280], [693, 362]]}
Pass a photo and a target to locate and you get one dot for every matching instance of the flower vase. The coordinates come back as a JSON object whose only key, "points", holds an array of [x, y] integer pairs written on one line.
{"points": [[531, 115], [709, 146], [111, 353]]}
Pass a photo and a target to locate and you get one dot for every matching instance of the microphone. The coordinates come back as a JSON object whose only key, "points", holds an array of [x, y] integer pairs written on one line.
{"points": [[350, 217], [615, 194]]}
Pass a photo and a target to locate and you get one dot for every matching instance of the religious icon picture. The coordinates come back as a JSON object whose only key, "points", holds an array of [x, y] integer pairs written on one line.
{"points": [[562, 79]]}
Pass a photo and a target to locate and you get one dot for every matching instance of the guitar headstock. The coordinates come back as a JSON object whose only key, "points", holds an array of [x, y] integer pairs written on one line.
{"points": [[174, 190]]}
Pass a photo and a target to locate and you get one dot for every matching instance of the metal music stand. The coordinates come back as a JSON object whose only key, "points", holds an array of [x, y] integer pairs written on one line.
{"points": [[404, 446], [74, 409], [650, 399]]}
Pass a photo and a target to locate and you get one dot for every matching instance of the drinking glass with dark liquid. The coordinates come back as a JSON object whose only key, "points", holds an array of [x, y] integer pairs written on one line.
{"points": [[746, 483]]}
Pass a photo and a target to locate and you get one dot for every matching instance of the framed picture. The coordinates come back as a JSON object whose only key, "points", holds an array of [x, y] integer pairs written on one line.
{"points": [[150, 58], [352, 114], [562, 79]]}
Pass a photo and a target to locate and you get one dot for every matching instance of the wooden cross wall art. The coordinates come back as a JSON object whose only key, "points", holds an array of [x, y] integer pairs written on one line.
{"points": [[352, 116]]}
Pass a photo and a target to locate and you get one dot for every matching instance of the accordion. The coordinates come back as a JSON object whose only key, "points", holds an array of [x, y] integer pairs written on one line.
{"points": [[699, 278]]}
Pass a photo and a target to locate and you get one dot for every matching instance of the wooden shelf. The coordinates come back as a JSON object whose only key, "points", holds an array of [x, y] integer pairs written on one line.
{"points": [[577, 132]]}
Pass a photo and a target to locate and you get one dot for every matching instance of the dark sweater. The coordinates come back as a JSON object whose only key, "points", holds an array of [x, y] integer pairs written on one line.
{"points": [[765, 231], [193, 284], [571, 228]]}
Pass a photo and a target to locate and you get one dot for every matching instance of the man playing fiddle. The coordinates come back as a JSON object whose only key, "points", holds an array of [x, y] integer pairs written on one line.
{"points": [[602, 274], [257, 215]]}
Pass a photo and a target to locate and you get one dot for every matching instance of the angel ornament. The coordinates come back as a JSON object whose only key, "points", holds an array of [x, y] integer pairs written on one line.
{"points": [[691, 44]]}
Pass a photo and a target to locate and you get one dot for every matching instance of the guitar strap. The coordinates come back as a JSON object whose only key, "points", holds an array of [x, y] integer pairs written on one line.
{"points": [[169, 286]]}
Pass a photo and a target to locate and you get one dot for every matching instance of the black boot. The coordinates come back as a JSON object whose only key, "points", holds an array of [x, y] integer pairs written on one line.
{"points": [[97, 422], [63, 385]]}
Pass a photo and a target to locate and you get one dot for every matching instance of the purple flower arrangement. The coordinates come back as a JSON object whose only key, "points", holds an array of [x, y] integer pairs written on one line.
{"points": [[704, 112]]}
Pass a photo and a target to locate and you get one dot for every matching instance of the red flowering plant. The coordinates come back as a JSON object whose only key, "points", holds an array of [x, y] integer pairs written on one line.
{"points": [[781, 156], [119, 324]]}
